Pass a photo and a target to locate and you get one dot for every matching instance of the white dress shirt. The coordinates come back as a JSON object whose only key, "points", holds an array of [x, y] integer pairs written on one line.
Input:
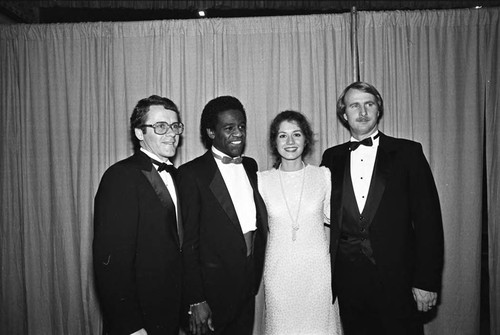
{"points": [[362, 163], [166, 177], [241, 192]]}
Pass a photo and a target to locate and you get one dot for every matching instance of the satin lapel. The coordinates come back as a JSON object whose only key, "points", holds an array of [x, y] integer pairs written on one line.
{"points": [[260, 206], [162, 192], [381, 173], [153, 177], [348, 197], [159, 186], [219, 189], [252, 177], [180, 230]]}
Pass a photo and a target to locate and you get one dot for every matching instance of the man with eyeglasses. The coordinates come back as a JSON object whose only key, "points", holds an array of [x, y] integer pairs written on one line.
{"points": [[138, 229]]}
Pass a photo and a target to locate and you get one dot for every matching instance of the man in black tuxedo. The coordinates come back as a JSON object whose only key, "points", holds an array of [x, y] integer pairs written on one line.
{"points": [[138, 231], [386, 227], [225, 225]]}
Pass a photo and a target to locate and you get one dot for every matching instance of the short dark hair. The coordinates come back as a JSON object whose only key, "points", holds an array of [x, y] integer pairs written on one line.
{"points": [[301, 121], [210, 114], [364, 87], [141, 109]]}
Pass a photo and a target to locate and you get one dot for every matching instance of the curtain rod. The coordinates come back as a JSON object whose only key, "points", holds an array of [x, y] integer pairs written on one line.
{"points": [[354, 44]]}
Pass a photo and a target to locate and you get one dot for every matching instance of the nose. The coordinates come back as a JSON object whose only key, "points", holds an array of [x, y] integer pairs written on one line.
{"points": [[170, 132], [290, 140], [363, 111], [237, 132]]}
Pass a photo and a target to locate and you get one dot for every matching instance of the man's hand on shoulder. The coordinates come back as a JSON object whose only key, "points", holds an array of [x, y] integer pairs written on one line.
{"points": [[425, 300]]}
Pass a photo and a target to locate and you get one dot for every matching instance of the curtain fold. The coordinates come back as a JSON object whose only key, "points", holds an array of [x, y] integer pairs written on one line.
{"points": [[492, 112], [431, 68], [67, 92]]}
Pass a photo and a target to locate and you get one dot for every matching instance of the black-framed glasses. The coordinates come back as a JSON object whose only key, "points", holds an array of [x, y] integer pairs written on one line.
{"points": [[161, 128]]}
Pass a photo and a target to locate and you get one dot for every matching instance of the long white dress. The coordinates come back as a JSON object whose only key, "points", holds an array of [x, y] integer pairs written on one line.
{"points": [[297, 277]]}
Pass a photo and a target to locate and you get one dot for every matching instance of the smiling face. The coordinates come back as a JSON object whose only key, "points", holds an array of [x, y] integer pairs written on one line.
{"points": [[361, 112], [290, 141], [164, 146], [230, 133]]}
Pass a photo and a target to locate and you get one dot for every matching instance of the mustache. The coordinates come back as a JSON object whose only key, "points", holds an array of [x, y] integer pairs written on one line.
{"points": [[363, 119]]}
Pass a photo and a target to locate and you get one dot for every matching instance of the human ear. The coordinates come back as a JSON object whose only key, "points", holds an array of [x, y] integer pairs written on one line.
{"points": [[210, 133], [139, 134]]}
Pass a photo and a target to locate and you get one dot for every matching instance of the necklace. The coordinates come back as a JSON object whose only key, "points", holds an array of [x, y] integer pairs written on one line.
{"points": [[295, 222]]}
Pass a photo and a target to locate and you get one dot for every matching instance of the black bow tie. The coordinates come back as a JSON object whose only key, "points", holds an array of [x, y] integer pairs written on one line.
{"points": [[228, 160], [367, 141], [164, 167]]}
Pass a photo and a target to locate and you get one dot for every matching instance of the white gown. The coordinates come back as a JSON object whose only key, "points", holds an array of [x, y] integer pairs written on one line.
{"points": [[297, 277]]}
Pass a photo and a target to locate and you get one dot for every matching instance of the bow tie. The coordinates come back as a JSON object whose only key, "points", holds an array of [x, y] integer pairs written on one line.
{"points": [[228, 160], [164, 167], [367, 141]]}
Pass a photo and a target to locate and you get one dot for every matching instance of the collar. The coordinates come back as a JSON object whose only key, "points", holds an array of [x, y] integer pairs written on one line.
{"points": [[156, 157], [220, 153], [375, 136]]}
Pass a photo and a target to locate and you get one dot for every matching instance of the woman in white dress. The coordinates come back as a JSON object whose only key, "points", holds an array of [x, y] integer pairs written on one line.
{"points": [[297, 276]]}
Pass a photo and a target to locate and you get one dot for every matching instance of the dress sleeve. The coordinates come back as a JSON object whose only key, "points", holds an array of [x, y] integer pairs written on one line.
{"points": [[328, 191]]}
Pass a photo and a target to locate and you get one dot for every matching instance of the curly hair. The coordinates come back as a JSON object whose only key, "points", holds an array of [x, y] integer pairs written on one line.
{"points": [[364, 87], [210, 114], [301, 121]]}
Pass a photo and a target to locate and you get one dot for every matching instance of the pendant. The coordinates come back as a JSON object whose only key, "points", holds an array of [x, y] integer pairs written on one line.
{"points": [[294, 233], [294, 223]]}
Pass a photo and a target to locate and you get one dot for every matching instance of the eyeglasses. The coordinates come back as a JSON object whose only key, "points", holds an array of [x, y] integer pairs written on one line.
{"points": [[161, 128]]}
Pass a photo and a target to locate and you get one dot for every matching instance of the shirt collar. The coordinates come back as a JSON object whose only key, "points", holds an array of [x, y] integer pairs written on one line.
{"points": [[375, 136], [218, 152], [155, 157]]}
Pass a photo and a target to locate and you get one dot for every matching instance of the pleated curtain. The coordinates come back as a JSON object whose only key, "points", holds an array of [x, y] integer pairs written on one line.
{"points": [[67, 92]]}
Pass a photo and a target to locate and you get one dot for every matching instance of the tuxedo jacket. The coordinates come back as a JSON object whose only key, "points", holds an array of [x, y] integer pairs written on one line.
{"points": [[137, 252], [214, 250], [403, 213]]}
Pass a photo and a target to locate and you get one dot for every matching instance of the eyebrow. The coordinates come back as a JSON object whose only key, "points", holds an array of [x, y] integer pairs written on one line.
{"points": [[294, 131]]}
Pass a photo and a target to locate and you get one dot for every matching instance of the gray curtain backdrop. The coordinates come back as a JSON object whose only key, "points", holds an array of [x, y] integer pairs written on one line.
{"points": [[67, 92]]}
